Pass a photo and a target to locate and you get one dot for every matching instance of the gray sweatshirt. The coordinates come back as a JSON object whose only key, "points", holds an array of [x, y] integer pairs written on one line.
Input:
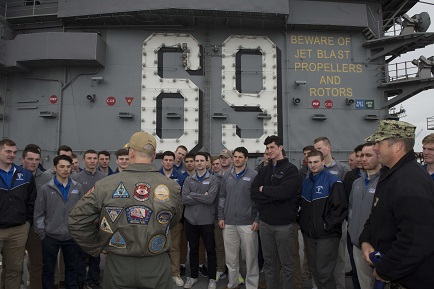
{"points": [[200, 208], [51, 211], [360, 205], [235, 205]]}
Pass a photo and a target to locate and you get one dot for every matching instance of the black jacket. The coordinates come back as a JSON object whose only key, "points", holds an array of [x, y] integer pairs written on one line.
{"points": [[401, 224], [278, 201], [17, 204]]}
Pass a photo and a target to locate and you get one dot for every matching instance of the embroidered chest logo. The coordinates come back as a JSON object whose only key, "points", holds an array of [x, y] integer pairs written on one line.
{"points": [[121, 192], [142, 191], [20, 177], [319, 189], [161, 193], [138, 215], [113, 212]]}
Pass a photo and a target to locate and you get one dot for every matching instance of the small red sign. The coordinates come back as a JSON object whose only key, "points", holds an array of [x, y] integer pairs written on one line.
{"points": [[316, 103], [53, 99], [111, 100], [129, 99], [328, 103]]}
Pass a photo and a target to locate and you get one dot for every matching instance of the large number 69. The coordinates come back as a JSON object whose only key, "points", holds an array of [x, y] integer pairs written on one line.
{"points": [[154, 86]]}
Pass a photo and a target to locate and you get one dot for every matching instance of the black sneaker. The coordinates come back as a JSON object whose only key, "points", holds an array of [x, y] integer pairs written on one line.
{"points": [[94, 284], [182, 271], [203, 271]]}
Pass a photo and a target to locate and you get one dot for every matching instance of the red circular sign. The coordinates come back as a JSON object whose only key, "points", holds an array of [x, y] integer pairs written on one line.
{"points": [[111, 100], [316, 103], [328, 103], [53, 99]]}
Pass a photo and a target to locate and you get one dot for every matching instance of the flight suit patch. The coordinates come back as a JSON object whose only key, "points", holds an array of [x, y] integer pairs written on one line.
{"points": [[142, 191], [156, 244], [164, 217], [105, 226], [113, 212], [161, 193], [138, 215], [121, 192], [117, 241], [90, 191]]}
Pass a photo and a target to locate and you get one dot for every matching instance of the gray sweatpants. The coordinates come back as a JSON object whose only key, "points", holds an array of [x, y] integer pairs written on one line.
{"points": [[321, 256]]}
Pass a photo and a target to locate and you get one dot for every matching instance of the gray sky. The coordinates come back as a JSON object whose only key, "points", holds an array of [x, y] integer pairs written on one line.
{"points": [[420, 106]]}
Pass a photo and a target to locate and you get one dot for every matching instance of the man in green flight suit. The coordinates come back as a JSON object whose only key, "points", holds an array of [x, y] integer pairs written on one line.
{"points": [[136, 209]]}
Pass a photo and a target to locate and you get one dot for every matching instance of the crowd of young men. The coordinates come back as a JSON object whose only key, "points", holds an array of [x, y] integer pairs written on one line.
{"points": [[226, 203]]}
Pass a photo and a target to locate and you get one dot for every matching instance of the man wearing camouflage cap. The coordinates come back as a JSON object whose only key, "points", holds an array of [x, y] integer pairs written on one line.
{"points": [[136, 209], [401, 224]]}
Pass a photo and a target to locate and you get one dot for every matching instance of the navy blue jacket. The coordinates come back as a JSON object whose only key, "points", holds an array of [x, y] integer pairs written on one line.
{"points": [[17, 204], [324, 205]]}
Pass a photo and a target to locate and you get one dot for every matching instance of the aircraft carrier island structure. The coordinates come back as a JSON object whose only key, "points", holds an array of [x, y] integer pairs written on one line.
{"points": [[206, 74]]}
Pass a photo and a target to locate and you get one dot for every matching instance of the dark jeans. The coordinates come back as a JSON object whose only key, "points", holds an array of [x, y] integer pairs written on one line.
{"points": [[93, 273], [194, 232], [50, 251], [354, 278]]}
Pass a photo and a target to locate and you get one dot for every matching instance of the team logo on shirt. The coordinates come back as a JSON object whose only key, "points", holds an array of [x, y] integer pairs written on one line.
{"points": [[371, 190], [142, 191], [90, 191], [319, 189], [121, 192], [164, 217], [113, 212], [117, 241], [138, 215], [105, 226], [156, 244], [74, 192], [20, 177], [161, 193]]}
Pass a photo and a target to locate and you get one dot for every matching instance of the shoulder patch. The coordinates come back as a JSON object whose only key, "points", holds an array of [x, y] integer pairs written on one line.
{"points": [[90, 191], [142, 191], [161, 193], [138, 215], [117, 241], [164, 217], [121, 192], [104, 226], [113, 212], [156, 244]]}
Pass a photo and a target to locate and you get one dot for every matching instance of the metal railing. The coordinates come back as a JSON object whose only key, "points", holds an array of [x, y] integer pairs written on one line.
{"points": [[404, 70], [25, 8]]}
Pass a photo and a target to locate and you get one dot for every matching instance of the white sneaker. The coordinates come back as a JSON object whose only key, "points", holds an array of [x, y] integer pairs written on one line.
{"points": [[178, 281], [212, 284], [190, 282]]}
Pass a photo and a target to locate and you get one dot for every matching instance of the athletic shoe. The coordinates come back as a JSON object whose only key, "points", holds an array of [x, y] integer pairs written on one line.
{"points": [[190, 282], [178, 281], [182, 271], [220, 275], [240, 279], [212, 284], [203, 271]]}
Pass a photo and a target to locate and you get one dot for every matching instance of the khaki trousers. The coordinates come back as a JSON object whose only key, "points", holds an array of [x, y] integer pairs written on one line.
{"points": [[12, 247]]}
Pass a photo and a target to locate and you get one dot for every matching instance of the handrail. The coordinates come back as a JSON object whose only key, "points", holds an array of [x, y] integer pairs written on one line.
{"points": [[30, 8]]}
